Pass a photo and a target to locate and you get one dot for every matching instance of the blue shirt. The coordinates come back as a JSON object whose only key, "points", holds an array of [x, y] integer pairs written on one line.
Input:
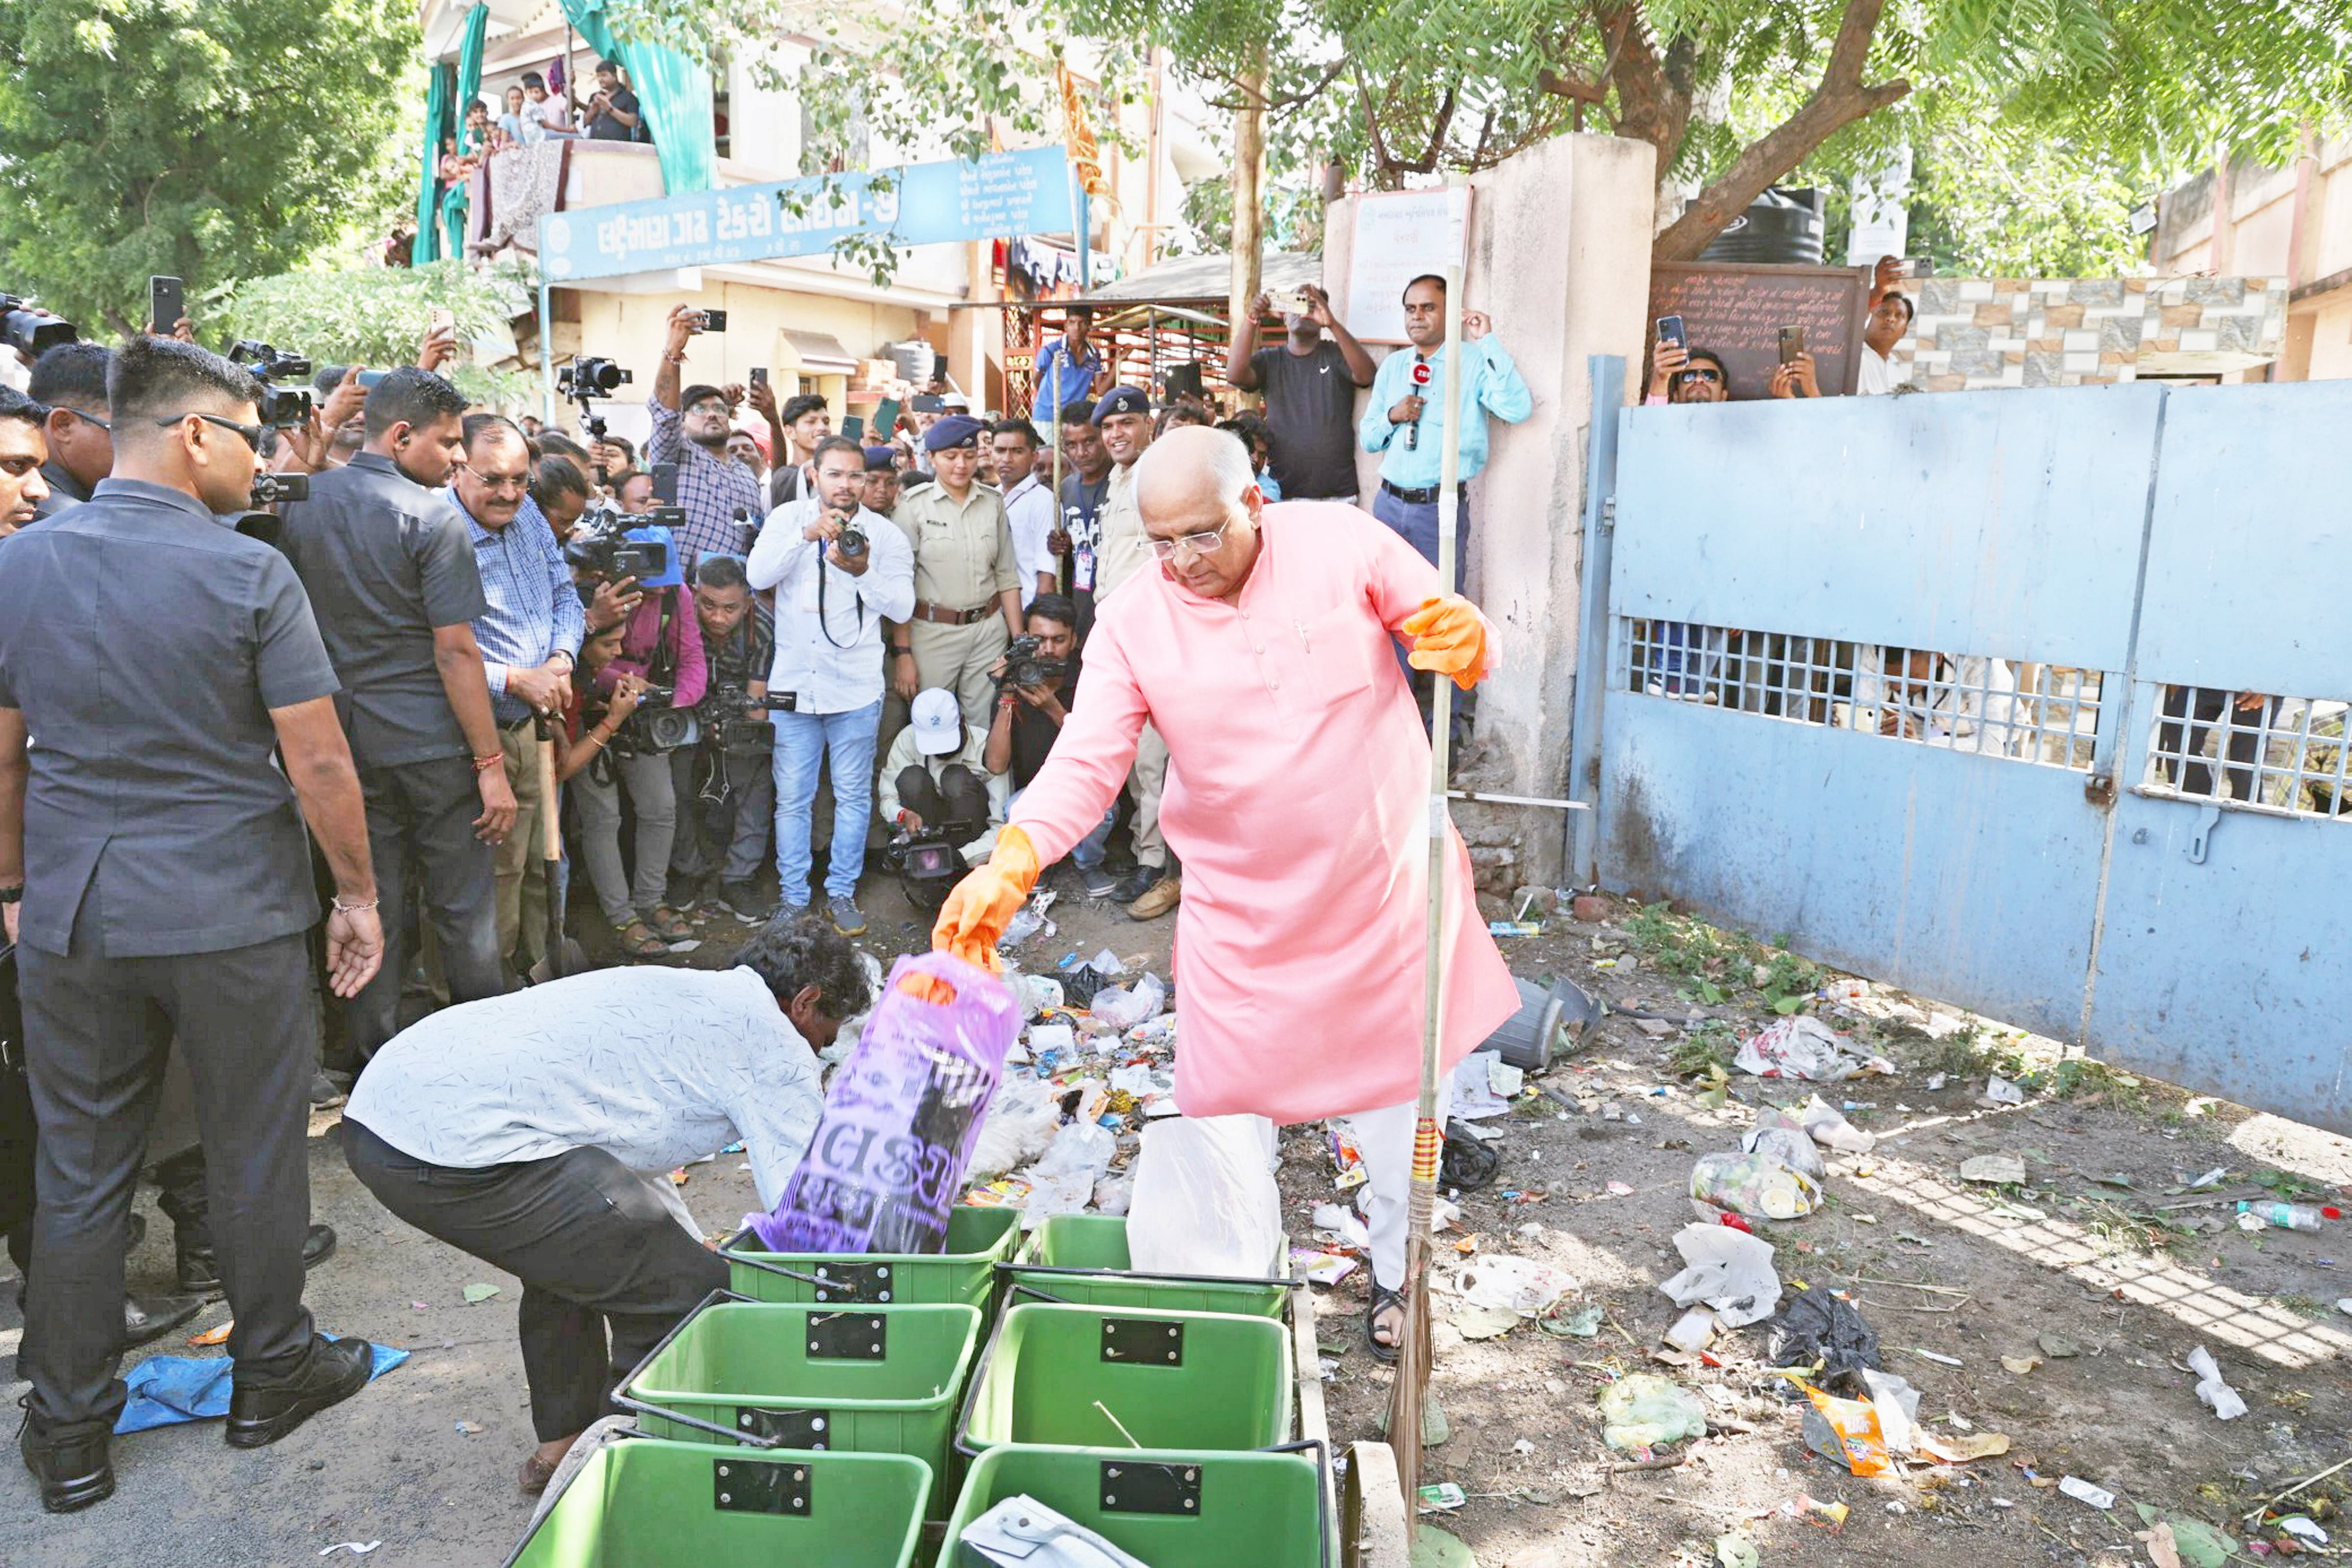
{"points": [[1076, 379], [1494, 386], [534, 609]]}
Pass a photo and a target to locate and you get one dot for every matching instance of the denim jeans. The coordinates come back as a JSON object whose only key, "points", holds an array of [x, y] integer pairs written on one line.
{"points": [[805, 740]]}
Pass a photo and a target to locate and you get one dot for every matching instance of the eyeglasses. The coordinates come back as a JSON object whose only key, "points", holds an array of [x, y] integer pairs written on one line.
{"points": [[1198, 544], [497, 482], [251, 433], [85, 418], [709, 405]]}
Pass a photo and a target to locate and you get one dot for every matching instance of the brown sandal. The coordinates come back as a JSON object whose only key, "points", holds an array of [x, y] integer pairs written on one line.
{"points": [[668, 925], [639, 942]]}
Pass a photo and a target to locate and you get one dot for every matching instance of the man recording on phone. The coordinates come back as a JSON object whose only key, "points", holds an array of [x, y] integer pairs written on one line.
{"points": [[690, 429], [839, 570]]}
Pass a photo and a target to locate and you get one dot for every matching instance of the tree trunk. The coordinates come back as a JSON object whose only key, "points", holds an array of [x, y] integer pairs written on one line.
{"points": [[1249, 193], [1839, 100]]}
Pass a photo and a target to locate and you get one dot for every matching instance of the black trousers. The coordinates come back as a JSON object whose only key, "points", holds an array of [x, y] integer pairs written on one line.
{"points": [[425, 812], [2203, 706], [595, 1245], [98, 1031], [956, 802]]}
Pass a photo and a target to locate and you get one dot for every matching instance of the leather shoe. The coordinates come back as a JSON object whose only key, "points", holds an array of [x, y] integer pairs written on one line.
{"points": [[1158, 899], [259, 1414], [70, 1463], [146, 1318], [200, 1269]]}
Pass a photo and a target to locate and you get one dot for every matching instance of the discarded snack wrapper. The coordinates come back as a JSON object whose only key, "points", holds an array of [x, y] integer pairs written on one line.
{"points": [[1803, 1046], [1349, 1159], [2077, 1487]]}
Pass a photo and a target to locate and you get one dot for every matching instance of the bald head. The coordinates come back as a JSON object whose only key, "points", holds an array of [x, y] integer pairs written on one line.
{"points": [[1201, 507]]}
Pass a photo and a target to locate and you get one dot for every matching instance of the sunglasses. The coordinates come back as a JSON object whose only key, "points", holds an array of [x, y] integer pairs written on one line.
{"points": [[1702, 376], [251, 433]]}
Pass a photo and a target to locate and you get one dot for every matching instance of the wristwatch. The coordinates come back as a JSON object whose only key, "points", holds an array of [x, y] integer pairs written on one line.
{"points": [[13, 894]]}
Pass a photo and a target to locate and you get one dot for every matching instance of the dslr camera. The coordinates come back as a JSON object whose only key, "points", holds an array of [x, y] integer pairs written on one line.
{"points": [[656, 726], [591, 378], [1026, 667], [272, 489], [724, 708], [285, 407], [29, 330]]}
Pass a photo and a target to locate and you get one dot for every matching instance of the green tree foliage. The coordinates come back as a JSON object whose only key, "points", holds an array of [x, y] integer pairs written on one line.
{"points": [[210, 139], [374, 315]]}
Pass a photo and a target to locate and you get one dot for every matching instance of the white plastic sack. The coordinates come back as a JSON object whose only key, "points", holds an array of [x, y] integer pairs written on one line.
{"points": [[1021, 1532], [1204, 1201], [1124, 1009], [1827, 1126], [1020, 1128], [1804, 1047], [1773, 1135], [2210, 1388], [1064, 1181], [1519, 1285], [1730, 1271]]}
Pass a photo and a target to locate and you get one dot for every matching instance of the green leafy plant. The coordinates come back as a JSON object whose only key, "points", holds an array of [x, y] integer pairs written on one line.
{"points": [[375, 316], [209, 142]]}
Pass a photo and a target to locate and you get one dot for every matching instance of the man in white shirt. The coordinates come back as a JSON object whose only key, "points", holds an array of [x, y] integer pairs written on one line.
{"points": [[839, 571], [1890, 317], [937, 776], [534, 1130], [1028, 504]]}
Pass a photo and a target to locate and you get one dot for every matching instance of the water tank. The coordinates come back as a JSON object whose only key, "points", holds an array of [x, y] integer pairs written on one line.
{"points": [[1780, 226]]}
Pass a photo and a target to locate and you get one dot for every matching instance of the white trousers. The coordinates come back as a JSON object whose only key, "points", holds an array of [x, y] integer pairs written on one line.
{"points": [[1385, 1137]]}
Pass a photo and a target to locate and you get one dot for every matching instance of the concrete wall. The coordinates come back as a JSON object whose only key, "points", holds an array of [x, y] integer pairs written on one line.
{"points": [[1559, 257]]}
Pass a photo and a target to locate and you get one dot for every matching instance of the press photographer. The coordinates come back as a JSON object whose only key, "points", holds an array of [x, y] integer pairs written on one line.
{"points": [[839, 571], [1037, 681], [661, 647], [938, 791], [727, 783]]}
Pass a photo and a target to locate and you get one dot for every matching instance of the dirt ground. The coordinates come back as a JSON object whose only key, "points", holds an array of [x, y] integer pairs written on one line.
{"points": [[2083, 1252]]}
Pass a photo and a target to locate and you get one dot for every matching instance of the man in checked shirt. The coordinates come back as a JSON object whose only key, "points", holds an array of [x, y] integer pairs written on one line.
{"points": [[723, 503]]}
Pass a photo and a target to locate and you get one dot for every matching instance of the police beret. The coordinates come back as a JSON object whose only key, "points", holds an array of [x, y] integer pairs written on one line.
{"points": [[880, 459], [1121, 400], [955, 430]]}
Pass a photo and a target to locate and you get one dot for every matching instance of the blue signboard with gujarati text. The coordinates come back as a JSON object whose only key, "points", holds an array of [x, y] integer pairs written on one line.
{"points": [[1000, 196]]}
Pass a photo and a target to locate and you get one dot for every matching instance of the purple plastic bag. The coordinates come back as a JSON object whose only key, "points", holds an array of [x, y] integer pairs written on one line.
{"points": [[889, 1152]]}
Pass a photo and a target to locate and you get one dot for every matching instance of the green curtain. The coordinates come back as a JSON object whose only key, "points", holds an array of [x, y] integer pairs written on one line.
{"points": [[438, 94], [673, 92], [469, 88]]}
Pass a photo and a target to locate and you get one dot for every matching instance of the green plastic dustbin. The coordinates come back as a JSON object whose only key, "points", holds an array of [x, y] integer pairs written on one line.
{"points": [[1083, 1257], [1090, 1376], [646, 1503], [868, 1380], [977, 1240], [1172, 1510]]}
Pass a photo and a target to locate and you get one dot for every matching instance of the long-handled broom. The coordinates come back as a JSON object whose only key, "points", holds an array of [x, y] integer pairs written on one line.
{"points": [[1411, 1386]]}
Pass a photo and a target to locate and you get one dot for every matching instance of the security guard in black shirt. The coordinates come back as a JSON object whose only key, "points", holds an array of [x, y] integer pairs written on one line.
{"points": [[165, 888]]}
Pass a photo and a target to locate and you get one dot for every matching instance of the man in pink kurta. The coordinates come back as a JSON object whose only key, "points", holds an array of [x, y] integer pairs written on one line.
{"points": [[1298, 799]]}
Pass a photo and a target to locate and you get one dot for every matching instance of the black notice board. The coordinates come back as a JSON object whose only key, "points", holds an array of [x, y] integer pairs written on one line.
{"points": [[1738, 310]]}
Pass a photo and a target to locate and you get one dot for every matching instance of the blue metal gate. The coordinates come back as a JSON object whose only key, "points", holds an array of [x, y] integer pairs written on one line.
{"points": [[2031, 701]]}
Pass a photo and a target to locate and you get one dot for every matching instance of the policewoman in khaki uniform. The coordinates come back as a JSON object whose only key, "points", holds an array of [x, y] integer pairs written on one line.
{"points": [[967, 578]]}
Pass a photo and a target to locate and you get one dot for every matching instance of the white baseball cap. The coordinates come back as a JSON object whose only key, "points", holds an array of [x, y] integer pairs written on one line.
{"points": [[937, 722]]}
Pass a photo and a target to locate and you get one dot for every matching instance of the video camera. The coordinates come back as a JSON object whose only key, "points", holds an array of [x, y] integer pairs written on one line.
{"points": [[285, 407], [615, 544], [929, 867], [270, 489], [1026, 667], [656, 726], [31, 330], [726, 725]]}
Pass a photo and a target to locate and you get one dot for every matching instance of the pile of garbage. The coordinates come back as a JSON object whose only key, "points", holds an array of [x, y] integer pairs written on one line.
{"points": [[1094, 1062]]}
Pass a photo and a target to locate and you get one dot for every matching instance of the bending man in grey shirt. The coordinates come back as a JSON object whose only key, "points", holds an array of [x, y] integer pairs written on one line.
{"points": [[533, 1129]]}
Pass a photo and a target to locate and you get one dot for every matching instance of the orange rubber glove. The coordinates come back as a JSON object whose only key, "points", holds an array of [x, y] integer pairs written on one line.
{"points": [[984, 902], [1449, 636]]}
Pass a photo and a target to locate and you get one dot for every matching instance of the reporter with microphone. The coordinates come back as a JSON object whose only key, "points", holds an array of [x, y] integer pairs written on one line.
{"points": [[839, 571]]}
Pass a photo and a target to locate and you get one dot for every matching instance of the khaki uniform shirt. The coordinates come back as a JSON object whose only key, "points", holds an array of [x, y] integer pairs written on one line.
{"points": [[1124, 548], [963, 553]]}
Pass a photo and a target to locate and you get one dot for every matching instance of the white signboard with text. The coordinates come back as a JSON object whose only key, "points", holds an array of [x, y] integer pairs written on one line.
{"points": [[1400, 235]]}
